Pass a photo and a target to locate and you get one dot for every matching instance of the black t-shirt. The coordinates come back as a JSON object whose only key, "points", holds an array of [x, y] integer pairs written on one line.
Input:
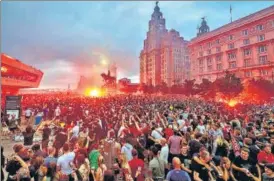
{"points": [[254, 151], [28, 138], [12, 167], [194, 147], [46, 134], [247, 164], [185, 159], [221, 150], [202, 170]]}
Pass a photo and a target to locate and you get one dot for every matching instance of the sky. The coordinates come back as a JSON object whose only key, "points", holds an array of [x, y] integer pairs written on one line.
{"points": [[69, 39]]}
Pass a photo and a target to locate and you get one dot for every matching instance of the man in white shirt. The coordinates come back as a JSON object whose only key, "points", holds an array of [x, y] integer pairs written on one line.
{"points": [[57, 112], [75, 130], [28, 114], [157, 134], [164, 150], [181, 122], [64, 162], [127, 149], [201, 128]]}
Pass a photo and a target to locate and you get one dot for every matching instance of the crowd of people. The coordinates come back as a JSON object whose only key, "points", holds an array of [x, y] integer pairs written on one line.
{"points": [[142, 138]]}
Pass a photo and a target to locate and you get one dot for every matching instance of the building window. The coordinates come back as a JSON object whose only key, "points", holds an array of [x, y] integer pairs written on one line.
{"points": [[230, 37], [208, 52], [246, 41], [245, 32], [260, 27], [200, 54], [201, 69], [262, 49], [209, 45], [218, 41], [218, 49], [246, 62], [262, 60], [232, 65], [201, 47], [248, 74], [231, 56], [247, 52], [218, 58], [231, 46], [209, 61], [201, 62], [261, 38], [209, 68], [219, 66], [263, 72]]}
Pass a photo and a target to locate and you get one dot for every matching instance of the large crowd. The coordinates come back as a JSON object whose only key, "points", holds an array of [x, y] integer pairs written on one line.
{"points": [[141, 137]]}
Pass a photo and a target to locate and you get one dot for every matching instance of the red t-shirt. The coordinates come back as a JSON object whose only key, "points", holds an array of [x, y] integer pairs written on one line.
{"points": [[265, 158], [168, 133], [134, 131], [134, 164]]}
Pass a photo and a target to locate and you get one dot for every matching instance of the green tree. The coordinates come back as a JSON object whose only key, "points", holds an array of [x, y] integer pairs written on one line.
{"points": [[258, 90], [229, 86], [189, 87], [206, 89]]}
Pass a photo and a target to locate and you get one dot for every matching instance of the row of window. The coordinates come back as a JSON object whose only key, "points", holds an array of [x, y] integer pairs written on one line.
{"points": [[244, 33], [262, 61], [247, 74], [246, 52], [232, 45], [262, 73]]}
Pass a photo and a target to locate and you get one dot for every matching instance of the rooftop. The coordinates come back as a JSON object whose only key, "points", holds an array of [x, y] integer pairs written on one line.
{"points": [[235, 24]]}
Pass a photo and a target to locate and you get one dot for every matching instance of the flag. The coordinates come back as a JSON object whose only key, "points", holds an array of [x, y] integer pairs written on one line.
{"points": [[230, 9], [235, 145]]}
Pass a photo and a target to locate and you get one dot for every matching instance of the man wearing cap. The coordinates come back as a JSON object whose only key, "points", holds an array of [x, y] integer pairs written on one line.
{"points": [[265, 155], [136, 165]]}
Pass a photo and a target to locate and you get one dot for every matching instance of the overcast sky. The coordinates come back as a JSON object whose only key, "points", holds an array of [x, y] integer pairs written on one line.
{"points": [[69, 39]]}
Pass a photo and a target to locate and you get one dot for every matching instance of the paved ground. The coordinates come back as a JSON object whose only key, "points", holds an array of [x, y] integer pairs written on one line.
{"points": [[9, 143]]}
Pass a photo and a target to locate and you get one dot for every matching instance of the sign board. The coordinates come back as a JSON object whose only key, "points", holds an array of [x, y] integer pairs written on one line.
{"points": [[13, 107], [13, 114]]}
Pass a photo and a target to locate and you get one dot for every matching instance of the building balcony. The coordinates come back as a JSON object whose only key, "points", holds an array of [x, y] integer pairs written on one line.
{"points": [[235, 69], [18, 83], [255, 66]]}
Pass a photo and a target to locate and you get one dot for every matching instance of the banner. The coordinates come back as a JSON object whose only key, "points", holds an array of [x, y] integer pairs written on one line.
{"points": [[13, 107]]}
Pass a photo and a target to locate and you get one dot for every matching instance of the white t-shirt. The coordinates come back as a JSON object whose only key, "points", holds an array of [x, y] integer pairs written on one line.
{"points": [[41, 114], [28, 113], [201, 129], [156, 135], [120, 132], [181, 122], [164, 153], [57, 112], [75, 131], [64, 163], [127, 149]]}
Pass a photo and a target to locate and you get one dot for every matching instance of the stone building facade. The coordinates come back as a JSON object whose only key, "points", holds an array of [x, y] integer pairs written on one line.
{"points": [[164, 57], [244, 47]]}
